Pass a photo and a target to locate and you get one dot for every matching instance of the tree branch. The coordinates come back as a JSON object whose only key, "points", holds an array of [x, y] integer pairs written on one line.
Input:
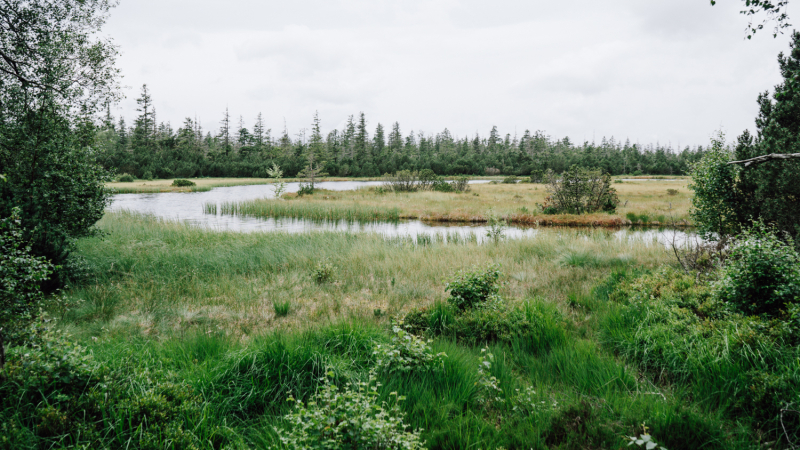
{"points": [[765, 158]]}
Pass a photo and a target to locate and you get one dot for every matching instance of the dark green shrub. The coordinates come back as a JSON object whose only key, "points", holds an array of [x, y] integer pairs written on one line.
{"points": [[469, 289], [461, 184], [21, 276], [305, 189], [761, 274], [440, 185], [511, 179], [180, 182], [125, 178], [147, 175], [579, 190]]}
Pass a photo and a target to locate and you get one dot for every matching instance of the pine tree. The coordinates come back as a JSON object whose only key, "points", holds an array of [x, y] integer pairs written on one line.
{"points": [[225, 132], [143, 126], [316, 145]]}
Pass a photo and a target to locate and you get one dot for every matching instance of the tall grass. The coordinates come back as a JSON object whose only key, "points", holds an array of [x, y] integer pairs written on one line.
{"points": [[313, 211], [164, 297]]}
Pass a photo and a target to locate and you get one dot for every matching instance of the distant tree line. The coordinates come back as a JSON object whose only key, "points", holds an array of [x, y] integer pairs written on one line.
{"points": [[152, 149]]}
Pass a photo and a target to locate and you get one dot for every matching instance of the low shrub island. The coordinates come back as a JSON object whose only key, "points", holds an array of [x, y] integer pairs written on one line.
{"points": [[180, 182]]}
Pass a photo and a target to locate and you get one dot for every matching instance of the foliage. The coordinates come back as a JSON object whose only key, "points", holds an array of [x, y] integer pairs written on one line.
{"points": [[349, 418], [54, 74], [673, 325], [183, 183], [761, 274], [322, 272], [645, 440], [495, 228], [402, 181], [511, 179], [305, 189], [672, 192], [489, 385], [57, 394], [579, 191], [469, 289], [775, 10], [279, 186], [461, 184], [406, 353], [125, 178], [21, 277], [716, 199]]}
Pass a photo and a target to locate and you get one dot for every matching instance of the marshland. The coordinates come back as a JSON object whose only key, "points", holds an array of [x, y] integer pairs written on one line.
{"points": [[358, 286]]}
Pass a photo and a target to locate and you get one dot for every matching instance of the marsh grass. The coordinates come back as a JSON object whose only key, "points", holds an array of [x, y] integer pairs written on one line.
{"points": [[205, 307], [514, 203]]}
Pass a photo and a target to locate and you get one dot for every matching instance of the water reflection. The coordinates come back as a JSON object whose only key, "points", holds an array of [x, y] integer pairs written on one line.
{"points": [[188, 207]]}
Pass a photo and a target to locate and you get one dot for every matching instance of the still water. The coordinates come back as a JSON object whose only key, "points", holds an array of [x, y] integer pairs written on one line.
{"points": [[188, 207]]}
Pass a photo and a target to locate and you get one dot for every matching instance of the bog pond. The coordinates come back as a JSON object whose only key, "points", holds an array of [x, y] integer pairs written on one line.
{"points": [[189, 207]]}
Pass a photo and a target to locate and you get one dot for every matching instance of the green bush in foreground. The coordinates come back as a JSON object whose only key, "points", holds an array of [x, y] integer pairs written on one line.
{"points": [[761, 274], [405, 353], [469, 289], [676, 328], [180, 182], [352, 418]]}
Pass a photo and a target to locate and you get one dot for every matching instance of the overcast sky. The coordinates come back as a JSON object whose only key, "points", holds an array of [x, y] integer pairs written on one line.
{"points": [[649, 70]]}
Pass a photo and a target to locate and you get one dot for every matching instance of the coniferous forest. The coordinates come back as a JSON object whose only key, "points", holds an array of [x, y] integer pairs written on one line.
{"points": [[151, 149]]}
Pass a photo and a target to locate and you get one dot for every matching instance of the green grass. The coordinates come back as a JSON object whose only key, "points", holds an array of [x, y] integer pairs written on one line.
{"points": [[295, 209], [239, 321]]}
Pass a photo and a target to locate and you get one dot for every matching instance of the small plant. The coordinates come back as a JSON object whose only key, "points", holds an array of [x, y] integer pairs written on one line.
{"points": [[645, 440], [579, 190], [406, 352], [323, 272], [180, 182], [672, 192], [489, 384], [495, 228], [469, 289], [125, 178], [349, 418], [282, 308], [147, 175], [511, 179], [305, 189], [279, 186], [442, 186], [524, 210], [761, 274]]}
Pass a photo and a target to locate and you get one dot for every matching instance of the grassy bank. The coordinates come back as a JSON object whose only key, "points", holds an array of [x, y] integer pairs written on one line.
{"points": [[643, 202], [195, 339], [203, 184]]}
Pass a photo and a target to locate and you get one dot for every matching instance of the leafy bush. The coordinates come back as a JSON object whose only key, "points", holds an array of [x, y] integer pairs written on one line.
{"points": [[441, 185], [405, 353], [350, 418], [125, 178], [461, 184], [580, 190], [180, 182], [323, 272], [402, 181], [147, 175], [761, 274], [511, 179], [21, 276], [492, 171], [469, 289], [305, 189], [672, 192]]}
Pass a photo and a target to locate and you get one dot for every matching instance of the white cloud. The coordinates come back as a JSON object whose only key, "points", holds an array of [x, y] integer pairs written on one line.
{"points": [[666, 70]]}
